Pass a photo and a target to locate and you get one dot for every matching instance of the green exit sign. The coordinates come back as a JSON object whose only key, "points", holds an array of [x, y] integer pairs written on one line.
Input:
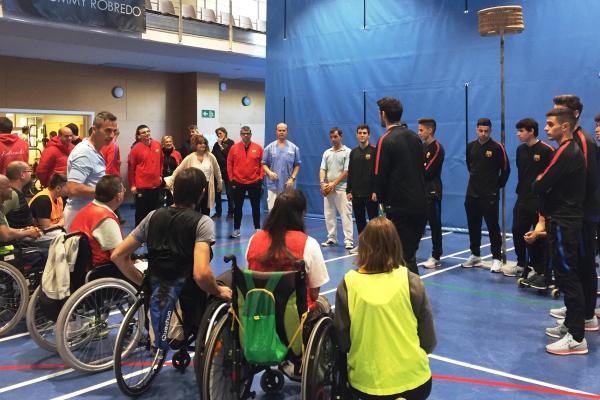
{"points": [[208, 113]]}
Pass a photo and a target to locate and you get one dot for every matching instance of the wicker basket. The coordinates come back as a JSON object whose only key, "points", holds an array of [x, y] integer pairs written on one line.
{"points": [[504, 20]]}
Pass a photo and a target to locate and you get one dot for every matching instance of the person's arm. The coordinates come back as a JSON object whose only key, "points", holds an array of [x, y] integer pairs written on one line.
{"points": [[266, 164], [316, 270], [322, 184], [217, 172], [79, 170], [422, 310], [80, 190], [337, 180], [468, 156], [433, 167], [382, 168], [539, 231], [504, 167], [121, 256], [341, 320], [290, 182], [131, 166], [230, 157], [203, 275], [45, 167], [8, 234], [552, 174], [350, 173]]}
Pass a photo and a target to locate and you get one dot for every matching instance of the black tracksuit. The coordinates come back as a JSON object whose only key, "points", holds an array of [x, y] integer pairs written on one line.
{"points": [[361, 184], [221, 154], [488, 172], [433, 159], [531, 161], [562, 187], [400, 187]]}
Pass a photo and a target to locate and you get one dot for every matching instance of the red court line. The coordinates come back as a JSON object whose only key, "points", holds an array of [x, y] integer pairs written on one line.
{"points": [[514, 386], [31, 366]]}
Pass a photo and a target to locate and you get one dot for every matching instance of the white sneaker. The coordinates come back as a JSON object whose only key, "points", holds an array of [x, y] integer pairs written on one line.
{"points": [[349, 245], [472, 261], [354, 250], [235, 234], [329, 243], [510, 269], [431, 263], [567, 346], [591, 325], [560, 313], [557, 331], [496, 266]]}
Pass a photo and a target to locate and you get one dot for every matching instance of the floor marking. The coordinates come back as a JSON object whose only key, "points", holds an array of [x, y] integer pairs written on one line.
{"points": [[18, 335], [31, 366], [36, 380], [98, 386], [456, 266], [508, 375]]}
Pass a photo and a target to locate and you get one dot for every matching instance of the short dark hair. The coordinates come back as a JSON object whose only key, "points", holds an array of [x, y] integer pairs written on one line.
{"points": [[14, 169], [484, 122], [363, 126], [597, 118], [222, 130], [137, 130], [529, 124], [189, 186], [570, 101], [57, 180], [563, 115], [74, 128], [6, 125], [428, 122], [391, 107], [246, 128], [336, 129], [103, 116], [107, 188]]}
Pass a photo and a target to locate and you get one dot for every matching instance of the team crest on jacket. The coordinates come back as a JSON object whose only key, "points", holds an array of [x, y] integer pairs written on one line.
{"points": [[536, 157], [488, 153], [428, 154], [367, 156]]}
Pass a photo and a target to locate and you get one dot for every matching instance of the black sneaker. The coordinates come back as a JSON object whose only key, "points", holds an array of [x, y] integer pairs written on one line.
{"points": [[537, 281]]}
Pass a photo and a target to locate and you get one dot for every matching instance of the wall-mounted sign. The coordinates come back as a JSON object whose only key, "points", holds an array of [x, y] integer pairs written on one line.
{"points": [[208, 113], [123, 15]]}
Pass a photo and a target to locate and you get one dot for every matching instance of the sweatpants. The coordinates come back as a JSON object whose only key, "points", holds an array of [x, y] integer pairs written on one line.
{"points": [[336, 201], [410, 229], [360, 207], [146, 200], [587, 267], [525, 217], [483, 208], [239, 190], [434, 217]]}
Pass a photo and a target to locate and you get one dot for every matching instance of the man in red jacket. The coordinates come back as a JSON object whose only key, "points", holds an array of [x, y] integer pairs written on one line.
{"points": [[12, 148], [112, 156], [55, 155], [244, 168], [145, 167]]}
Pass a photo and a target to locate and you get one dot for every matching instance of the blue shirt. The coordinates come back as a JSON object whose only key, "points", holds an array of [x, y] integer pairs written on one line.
{"points": [[85, 165], [335, 162], [282, 161]]}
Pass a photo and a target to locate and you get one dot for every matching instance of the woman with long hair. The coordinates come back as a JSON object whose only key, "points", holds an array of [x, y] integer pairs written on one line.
{"points": [[383, 320], [171, 159]]}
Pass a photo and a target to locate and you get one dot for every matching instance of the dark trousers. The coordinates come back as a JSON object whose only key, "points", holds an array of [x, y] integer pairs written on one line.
{"points": [[525, 217], [146, 200], [239, 191], [419, 393], [410, 229], [434, 217], [587, 267], [564, 238], [219, 200], [483, 208], [360, 205], [202, 207]]}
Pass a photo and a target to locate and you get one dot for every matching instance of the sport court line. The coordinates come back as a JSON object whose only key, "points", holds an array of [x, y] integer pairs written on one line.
{"points": [[35, 380]]}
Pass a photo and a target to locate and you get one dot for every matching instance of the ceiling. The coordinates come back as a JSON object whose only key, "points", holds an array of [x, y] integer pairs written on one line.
{"points": [[77, 44]]}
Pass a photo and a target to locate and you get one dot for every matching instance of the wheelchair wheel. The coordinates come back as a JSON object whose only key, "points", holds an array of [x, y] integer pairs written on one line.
{"points": [[14, 295], [137, 362], [318, 378], [181, 360], [87, 325], [219, 375], [212, 315], [41, 329]]}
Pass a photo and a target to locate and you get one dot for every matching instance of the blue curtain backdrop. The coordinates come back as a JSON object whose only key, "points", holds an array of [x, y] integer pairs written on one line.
{"points": [[325, 56]]}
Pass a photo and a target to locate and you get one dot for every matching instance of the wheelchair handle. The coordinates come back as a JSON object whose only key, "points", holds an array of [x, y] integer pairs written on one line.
{"points": [[230, 258], [54, 228], [301, 265]]}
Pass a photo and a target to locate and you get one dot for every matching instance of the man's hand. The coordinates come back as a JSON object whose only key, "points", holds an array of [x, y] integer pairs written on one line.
{"points": [[374, 197], [225, 293], [289, 184], [32, 232], [273, 176], [133, 190], [531, 236]]}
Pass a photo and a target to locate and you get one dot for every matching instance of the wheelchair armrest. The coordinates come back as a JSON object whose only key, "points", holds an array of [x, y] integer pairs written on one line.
{"points": [[53, 228]]}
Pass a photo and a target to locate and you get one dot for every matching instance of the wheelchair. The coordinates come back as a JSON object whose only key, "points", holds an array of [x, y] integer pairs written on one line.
{"points": [[225, 371], [82, 327]]}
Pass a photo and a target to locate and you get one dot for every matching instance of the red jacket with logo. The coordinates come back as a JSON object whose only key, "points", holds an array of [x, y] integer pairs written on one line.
{"points": [[12, 148], [245, 165], [145, 165], [112, 158], [53, 160]]}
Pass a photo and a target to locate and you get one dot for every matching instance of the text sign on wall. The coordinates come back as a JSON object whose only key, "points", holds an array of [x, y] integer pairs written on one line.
{"points": [[208, 113], [124, 15]]}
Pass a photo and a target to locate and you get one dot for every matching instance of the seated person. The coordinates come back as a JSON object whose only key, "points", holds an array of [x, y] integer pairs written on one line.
{"points": [[47, 205], [16, 208], [98, 220], [383, 320], [10, 235], [178, 240]]}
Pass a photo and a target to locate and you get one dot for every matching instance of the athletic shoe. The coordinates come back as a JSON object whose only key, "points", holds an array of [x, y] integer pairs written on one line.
{"points": [[496, 266], [557, 331], [537, 281], [559, 312], [431, 263], [510, 269], [354, 250], [235, 234], [567, 346], [349, 245], [472, 261], [329, 243], [591, 325]]}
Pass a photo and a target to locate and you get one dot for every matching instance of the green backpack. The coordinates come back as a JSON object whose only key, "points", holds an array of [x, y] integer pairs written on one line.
{"points": [[261, 343]]}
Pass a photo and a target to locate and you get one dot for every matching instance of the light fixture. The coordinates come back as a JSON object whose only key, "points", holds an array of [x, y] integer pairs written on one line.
{"points": [[246, 101], [223, 86], [118, 92]]}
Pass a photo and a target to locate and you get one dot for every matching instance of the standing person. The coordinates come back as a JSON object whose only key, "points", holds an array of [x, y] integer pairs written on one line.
{"points": [[591, 214], [488, 172], [533, 156], [203, 160], [54, 157], [85, 165], [332, 177], [11, 146], [221, 150], [145, 166], [360, 189], [399, 178], [171, 159], [112, 156], [245, 171], [433, 159], [186, 148], [562, 186], [281, 162], [75, 130]]}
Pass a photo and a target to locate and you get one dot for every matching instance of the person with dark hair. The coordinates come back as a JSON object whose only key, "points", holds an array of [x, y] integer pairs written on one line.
{"points": [[360, 189], [85, 165], [98, 221], [53, 134], [332, 176], [171, 160], [562, 187], [75, 130], [54, 157], [16, 209], [112, 156], [186, 148], [221, 150], [12, 148], [245, 171], [144, 173], [400, 180], [47, 205], [433, 160], [489, 169], [533, 157], [383, 320]]}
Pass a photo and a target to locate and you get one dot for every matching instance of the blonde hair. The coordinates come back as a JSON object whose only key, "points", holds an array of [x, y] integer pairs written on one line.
{"points": [[164, 138], [379, 247]]}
